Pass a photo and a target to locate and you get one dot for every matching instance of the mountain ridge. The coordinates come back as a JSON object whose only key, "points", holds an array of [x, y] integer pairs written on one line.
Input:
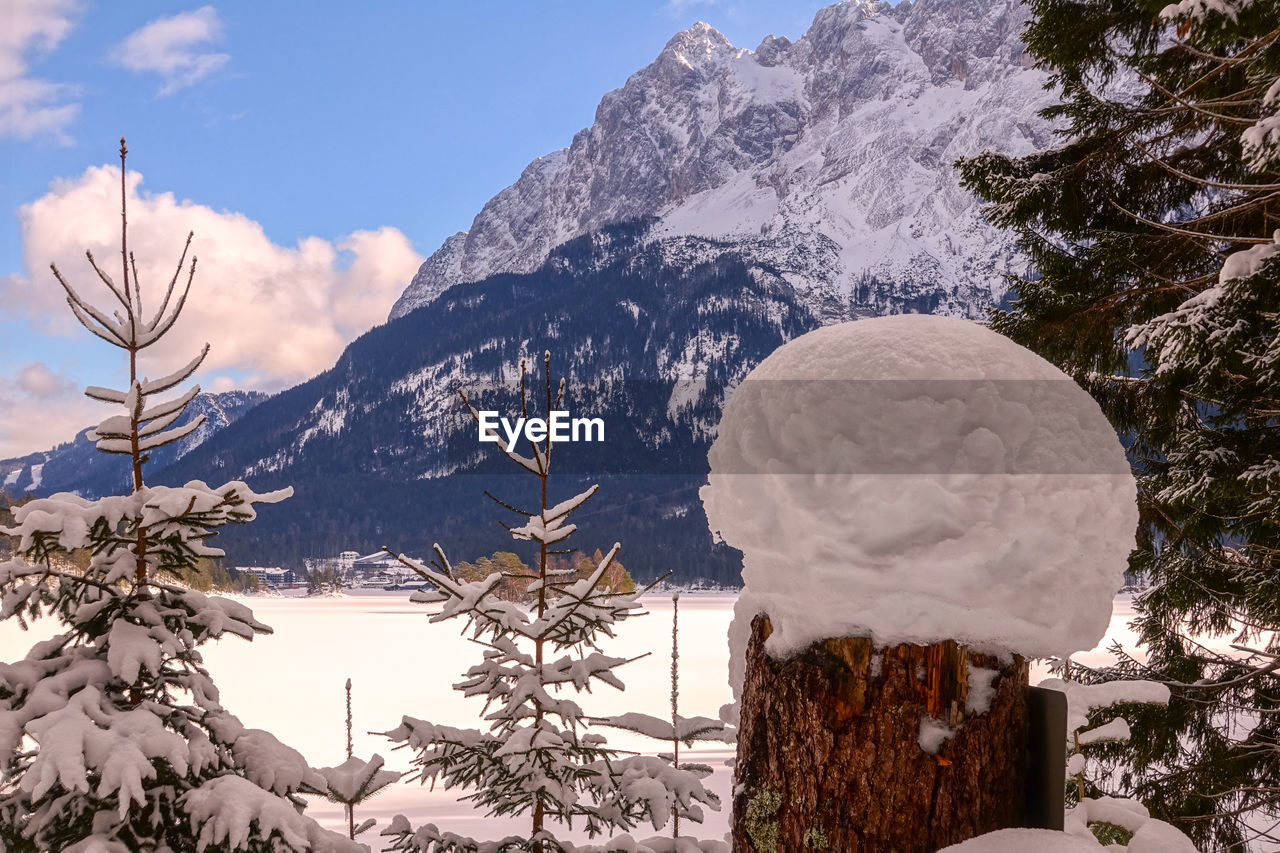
{"points": [[379, 450], [846, 135], [77, 466], [723, 202]]}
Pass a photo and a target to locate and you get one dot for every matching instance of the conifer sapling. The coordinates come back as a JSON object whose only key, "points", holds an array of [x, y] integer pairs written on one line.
{"points": [[355, 780], [538, 756], [112, 738]]}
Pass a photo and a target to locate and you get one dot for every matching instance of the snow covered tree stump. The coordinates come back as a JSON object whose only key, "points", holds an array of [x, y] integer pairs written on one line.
{"points": [[921, 504], [836, 747]]}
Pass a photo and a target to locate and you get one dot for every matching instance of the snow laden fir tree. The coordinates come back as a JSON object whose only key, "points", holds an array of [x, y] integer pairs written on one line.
{"points": [[356, 780], [1152, 229], [112, 738], [538, 756], [678, 729]]}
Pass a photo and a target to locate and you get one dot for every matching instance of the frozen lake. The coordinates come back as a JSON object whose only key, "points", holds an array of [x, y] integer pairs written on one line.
{"points": [[291, 683]]}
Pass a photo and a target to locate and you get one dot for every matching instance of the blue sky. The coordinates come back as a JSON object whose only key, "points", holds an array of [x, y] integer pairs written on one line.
{"points": [[320, 151]]}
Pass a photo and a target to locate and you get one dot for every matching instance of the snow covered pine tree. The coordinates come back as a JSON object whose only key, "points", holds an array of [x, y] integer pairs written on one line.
{"points": [[355, 780], [1153, 230], [537, 757], [112, 739], [677, 730]]}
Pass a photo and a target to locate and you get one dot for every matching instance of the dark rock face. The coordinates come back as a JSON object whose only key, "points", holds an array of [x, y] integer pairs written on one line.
{"points": [[973, 42], [652, 337]]}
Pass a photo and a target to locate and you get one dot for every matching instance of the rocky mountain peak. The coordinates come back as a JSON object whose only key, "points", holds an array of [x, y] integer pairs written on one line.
{"points": [[967, 40], [722, 202], [838, 145], [772, 49], [696, 46], [848, 12]]}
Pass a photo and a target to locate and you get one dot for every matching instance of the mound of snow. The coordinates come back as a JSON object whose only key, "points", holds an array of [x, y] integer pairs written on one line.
{"points": [[917, 478], [1022, 840]]}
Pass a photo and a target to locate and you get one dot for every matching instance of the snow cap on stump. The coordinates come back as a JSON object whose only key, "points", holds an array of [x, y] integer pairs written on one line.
{"points": [[918, 478]]}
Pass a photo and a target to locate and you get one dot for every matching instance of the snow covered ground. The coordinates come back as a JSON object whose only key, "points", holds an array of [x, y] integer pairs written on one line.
{"points": [[291, 684]]}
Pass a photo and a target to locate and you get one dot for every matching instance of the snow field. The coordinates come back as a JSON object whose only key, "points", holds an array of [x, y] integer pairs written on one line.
{"points": [[291, 683]]}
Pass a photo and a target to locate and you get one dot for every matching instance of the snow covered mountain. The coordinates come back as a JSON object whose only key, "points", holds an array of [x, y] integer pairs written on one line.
{"points": [[827, 159], [724, 202], [77, 466], [379, 450]]}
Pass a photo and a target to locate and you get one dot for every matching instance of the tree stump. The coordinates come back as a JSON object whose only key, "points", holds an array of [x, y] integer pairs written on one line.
{"points": [[830, 756]]}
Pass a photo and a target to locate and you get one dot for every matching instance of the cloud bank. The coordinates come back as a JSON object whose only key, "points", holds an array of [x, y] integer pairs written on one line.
{"points": [[39, 408], [175, 47], [29, 106], [275, 315]]}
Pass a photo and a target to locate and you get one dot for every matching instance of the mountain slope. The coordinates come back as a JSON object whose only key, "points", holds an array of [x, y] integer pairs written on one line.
{"points": [[723, 202], [380, 451], [838, 145], [77, 466]]}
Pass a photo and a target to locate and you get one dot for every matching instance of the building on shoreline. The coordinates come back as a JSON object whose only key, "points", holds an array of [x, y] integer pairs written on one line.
{"points": [[378, 570], [273, 577]]}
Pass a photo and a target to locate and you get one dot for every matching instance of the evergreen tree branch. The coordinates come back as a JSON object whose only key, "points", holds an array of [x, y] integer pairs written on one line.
{"points": [[1199, 235]]}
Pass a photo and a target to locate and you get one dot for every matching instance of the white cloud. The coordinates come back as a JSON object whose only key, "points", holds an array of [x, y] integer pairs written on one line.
{"points": [[175, 47], [31, 107], [40, 408], [219, 384], [24, 428], [276, 315], [37, 380]]}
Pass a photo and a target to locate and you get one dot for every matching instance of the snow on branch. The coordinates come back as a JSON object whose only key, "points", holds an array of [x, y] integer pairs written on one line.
{"points": [[162, 410], [1084, 699], [544, 531], [538, 756], [1202, 9], [684, 729], [179, 517], [164, 383], [565, 507], [430, 839], [537, 465], [225, 807], [355, 779], [106, 395]]}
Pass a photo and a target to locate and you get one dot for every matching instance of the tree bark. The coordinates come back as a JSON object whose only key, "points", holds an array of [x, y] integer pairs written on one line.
{"points": [[829, 754]]}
